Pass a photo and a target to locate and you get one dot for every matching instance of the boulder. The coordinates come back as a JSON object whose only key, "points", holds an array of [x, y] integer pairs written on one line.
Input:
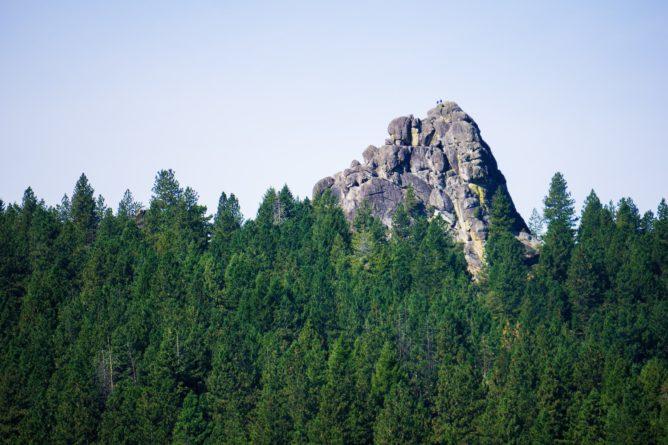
{"points": [[322, 185]]}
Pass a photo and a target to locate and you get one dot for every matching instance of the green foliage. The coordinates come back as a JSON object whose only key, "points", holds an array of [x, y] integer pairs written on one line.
{"points": [[558, 240], [128, 207], [458, 404], [403, 418], [587, 276], [83, 208], [166, 325], [505, 269]]}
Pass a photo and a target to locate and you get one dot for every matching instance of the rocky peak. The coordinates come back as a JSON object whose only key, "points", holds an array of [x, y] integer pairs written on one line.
{"points": [[449, 166]]}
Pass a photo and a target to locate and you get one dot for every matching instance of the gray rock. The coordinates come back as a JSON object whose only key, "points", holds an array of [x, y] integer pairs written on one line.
{"points": [[322, 185], [384, 196], [420, 187], [448, 165], [439, 161], [369, 153]]}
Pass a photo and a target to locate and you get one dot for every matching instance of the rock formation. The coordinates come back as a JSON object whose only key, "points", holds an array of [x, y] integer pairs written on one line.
{"points": [[449, 167]]}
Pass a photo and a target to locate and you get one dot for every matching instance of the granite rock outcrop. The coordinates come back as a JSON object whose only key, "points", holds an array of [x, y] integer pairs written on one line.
{"points": [[450, 168]]}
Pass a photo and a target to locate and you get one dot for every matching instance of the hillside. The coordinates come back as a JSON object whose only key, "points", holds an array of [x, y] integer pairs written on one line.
{"points": [[161, 324]]}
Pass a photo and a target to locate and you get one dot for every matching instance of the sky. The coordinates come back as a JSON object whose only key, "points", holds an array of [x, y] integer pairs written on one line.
{"points": [[241, 96]]}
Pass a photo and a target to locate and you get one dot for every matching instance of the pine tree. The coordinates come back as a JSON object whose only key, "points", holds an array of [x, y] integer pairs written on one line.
{"points": [[558, 240], [458, 403], [587, 278], [128, 207], [403, 419], [331, 423], [536, 224], [587, 424], [190, 427], [386, 373], [64, 209], [505, 269], [227, 221], [401, 222], [83, 211], [166, 189], [304, 365]]}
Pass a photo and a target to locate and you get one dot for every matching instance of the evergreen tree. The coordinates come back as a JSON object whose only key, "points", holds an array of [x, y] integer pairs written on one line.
{"points": [[64, 209], [558, 240], [505, 270], [331, 425], [227, 221], [386, 373], [304, 365], [403, 419], [536, 224], [83, 209], [190, 427], [128, 207], [587, 278], [458, 404]]}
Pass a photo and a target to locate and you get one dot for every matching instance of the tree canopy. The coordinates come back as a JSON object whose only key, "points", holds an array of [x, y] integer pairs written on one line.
{"points": [[164, 324]]}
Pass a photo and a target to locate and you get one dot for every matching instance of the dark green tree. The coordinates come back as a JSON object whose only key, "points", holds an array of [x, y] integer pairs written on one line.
{"points": [[559, 238], [504, 256], [83, 209], [587, 277]]}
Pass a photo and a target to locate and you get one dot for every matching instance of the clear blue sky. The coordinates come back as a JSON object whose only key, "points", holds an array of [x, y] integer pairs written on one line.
{"points": [[239, 96]]}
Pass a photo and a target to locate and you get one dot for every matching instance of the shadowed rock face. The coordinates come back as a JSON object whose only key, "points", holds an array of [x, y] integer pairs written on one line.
{"points": [[451, 169]]}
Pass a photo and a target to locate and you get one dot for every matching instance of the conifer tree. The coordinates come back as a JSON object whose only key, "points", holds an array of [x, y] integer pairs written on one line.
{"points": [[505, 269], [331, 425], [458, 403], [536, 224], [304, 365], [128, 207], [403, 418], [558, 240], [190, 427], [83, 211], [587, 278]]}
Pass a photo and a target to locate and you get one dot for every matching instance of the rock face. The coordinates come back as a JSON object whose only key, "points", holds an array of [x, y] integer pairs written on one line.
{"points": [[449, 166]]}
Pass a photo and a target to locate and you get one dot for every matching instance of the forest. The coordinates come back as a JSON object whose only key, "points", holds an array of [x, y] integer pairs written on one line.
{"points": [[161, 323]]}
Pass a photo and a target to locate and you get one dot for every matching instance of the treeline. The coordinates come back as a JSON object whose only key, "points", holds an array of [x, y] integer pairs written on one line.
{"points": [[165, 325]]}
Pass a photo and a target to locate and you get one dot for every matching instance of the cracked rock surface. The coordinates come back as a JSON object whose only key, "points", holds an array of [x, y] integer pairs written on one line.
{"points": [[448, 165]]}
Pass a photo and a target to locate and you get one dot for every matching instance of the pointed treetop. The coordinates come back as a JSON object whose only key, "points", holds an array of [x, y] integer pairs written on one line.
{"points": [[558, 202], [662, 210], [228, 214], [128, 206], [29, 201], [536, 224], [591, 215], [166, 188], [83, 186], [627, 215], [64, 208], [83, 206]]}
